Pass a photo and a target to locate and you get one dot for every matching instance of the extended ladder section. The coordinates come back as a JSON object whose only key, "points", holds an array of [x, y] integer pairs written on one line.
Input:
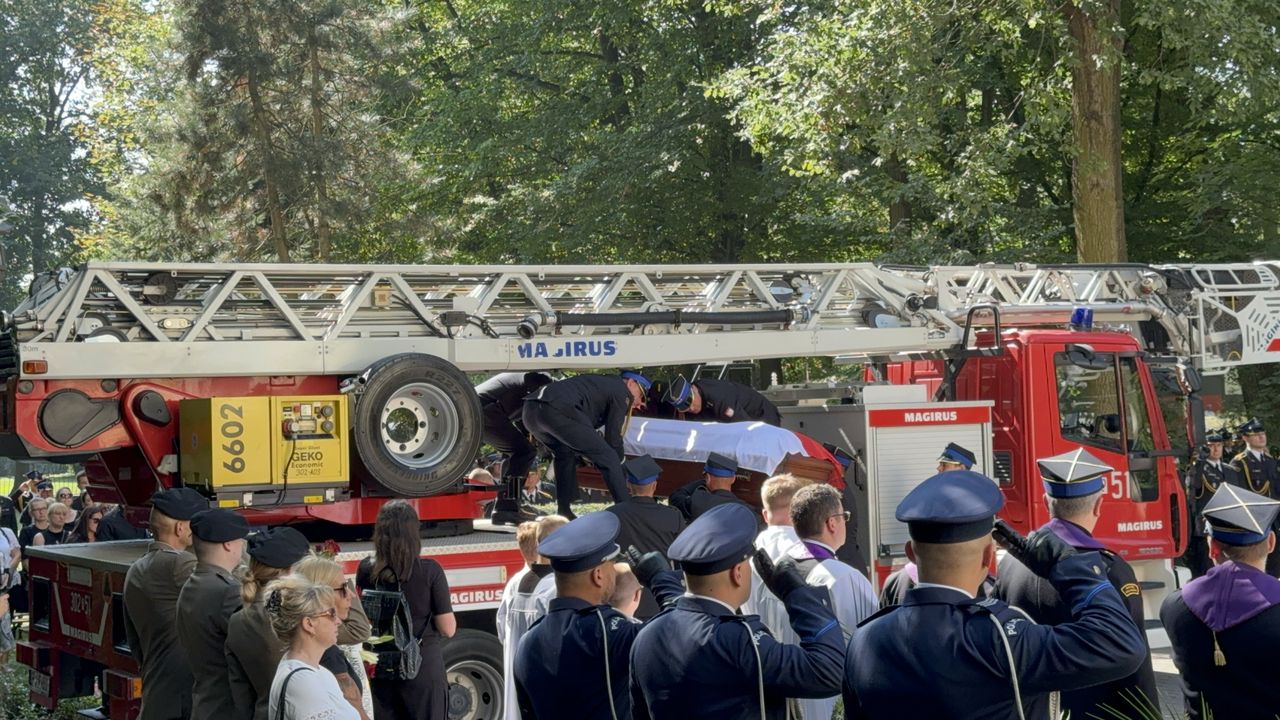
{"points": [[127, 319]]}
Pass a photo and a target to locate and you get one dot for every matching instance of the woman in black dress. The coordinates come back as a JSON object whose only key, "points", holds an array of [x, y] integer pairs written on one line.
{"points": [[396, 564]]}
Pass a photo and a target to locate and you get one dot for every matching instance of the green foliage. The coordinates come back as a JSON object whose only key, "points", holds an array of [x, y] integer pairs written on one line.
{"points": [[46, 74], [15, 705]]}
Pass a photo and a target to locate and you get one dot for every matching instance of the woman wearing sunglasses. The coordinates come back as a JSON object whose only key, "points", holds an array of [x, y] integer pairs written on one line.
{"points": [[86, 529], [348, 671], [304, 615]]}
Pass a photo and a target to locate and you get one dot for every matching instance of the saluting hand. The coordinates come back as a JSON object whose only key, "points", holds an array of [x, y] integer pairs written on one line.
{"points": [[781, 577], [1044, 550], [646, 566]]}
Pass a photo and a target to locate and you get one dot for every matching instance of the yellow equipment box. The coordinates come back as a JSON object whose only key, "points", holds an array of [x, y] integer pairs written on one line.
{"points": [[232, 444]]}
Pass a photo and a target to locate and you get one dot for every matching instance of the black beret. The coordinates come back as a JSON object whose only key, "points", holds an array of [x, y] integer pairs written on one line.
{"points": [[179, 503], [219, 525], [279, 547]]}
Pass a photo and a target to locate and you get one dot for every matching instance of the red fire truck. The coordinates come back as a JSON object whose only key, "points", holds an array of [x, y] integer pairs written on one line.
{"points": [[302, 393]]}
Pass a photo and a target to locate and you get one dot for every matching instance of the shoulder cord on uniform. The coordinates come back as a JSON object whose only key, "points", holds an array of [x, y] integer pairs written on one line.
{"points": [[1204, 483], [1248, 476], [755, 646], [608, 673], [1013, 669]]}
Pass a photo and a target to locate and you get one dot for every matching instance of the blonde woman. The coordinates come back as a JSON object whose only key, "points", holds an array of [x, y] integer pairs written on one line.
{"points": [[304, 616], [351, 678], [56, 533]]}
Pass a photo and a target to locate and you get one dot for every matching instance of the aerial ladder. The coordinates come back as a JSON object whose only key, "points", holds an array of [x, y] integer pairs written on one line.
{"points": [[99, 359]]}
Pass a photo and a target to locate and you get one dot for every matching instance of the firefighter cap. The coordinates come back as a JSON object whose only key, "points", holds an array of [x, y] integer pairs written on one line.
{"points": [[644, 382], [957, 455], [582, 544], [1218, 435], [718, 465], [1239, 517], [179, 503], [218, 525], [278, 547], [951, 507], [839, 453], [642, 470], [716, 540], [1253, 426], [1073, 474], [680, 394]]}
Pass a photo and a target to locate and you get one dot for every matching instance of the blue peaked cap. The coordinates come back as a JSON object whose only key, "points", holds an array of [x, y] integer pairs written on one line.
{"points": [[680, 393], [718, 465], [643, 381], [716, 540], [642, 470], [951, 507], [583, 543]]}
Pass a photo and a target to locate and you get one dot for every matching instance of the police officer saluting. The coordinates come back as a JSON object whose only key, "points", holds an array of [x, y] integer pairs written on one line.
{"points": [[1208, 474], [575, 661], [945, 653], [151, 588], [502, 413], [1225, 627], [702, 659], [1260, 471], [719, 473], [564, 416], [1073, 483], [206, 603], [721, 401], [646, 524]]}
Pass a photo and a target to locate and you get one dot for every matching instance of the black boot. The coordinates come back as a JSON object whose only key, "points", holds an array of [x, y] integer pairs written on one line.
{"points": [[506, 509]]}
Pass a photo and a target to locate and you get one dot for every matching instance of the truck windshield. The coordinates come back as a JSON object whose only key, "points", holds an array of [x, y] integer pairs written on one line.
{"points": [[1088, 405], [1091, 412]]}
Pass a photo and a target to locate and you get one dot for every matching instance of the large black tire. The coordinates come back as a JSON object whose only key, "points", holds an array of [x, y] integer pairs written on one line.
{"points": [[473, 665], [416, 424]]}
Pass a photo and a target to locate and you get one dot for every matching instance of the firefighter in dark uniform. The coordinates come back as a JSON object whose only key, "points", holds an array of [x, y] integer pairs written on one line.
{"points": [[1225, 627], [151, 588], [646, 524], [956, 457], [701, 659], [559, 661], [1208, 473], [1260, 471], [502, 412], [946, 653], [721, 401], [1073, 483], [719, 472], [206, 604], [253, 651], [564, 416]]}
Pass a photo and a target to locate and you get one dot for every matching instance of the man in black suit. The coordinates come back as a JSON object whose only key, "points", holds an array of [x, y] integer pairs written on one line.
{"points": [[647, 524]]}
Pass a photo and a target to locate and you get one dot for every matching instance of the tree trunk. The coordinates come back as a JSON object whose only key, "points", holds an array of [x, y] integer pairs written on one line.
{"points": [[323, 233], [263, 133], [1096, 174]]}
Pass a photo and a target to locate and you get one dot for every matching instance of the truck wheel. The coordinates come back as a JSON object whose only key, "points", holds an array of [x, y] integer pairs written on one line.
{"points": [[473, 667], [417, 424]]}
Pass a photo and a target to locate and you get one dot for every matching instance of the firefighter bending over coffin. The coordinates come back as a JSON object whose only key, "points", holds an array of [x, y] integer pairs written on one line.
{"points": [[502, 412], [721, 401], [564, 416]]}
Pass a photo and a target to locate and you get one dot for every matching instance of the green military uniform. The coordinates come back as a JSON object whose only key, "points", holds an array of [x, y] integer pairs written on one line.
{"points": [[253, 652], [151, 588], [205, 606]]}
